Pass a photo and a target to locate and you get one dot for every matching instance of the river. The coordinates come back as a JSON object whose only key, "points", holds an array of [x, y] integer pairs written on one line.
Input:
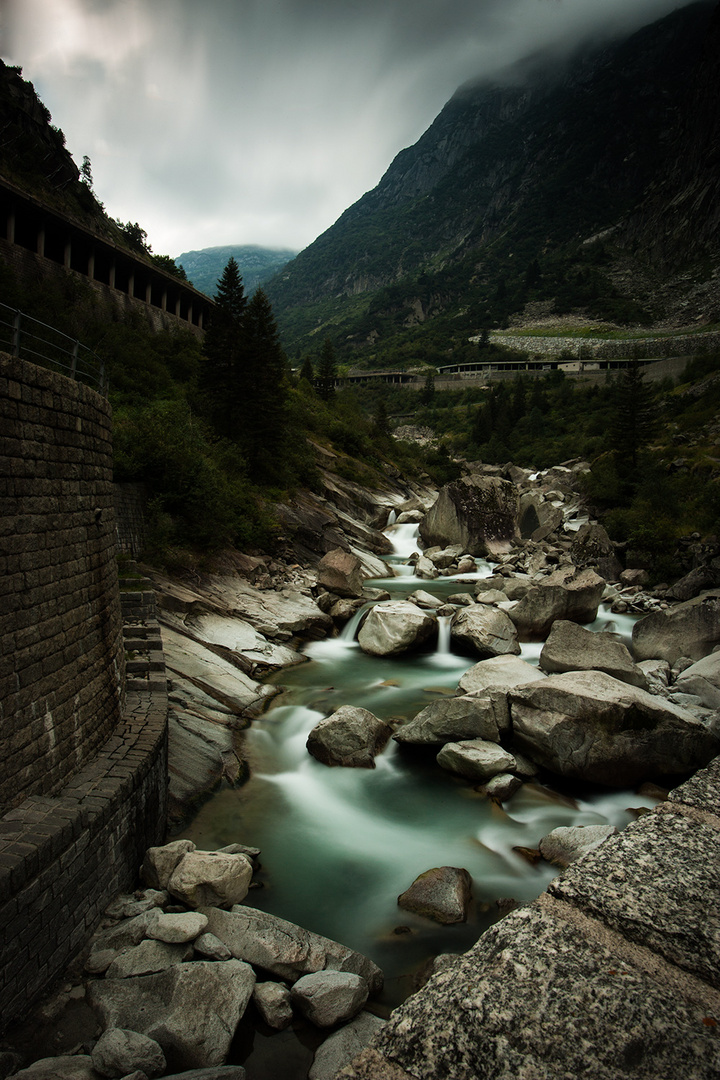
{"points": [[339, 845]]}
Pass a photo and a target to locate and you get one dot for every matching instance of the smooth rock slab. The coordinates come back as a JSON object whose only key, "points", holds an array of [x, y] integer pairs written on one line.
{"points": [[327, 998], [119, 1052], [342, 1046], [192, 1010], [475, 759], [565, 844], [284, 949], [210, 947], [559, 597], [654, 883], [441, 894], [537, 998], [219, 1072], [350, 737]]}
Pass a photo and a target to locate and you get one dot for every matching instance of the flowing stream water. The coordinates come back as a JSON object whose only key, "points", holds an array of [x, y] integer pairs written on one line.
{"points": [[339, 844]]}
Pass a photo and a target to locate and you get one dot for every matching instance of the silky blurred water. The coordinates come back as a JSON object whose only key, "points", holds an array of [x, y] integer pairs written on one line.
{"points": [[339, 845]]}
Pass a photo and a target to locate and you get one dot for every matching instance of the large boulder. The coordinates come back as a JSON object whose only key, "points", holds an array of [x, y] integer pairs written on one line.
{"points": [[688, 629], [592, 727], [562, 596], [708, 669], [204, 878], [478, 513], [475, 759], [395, 627], [441, 894], [593, 547], [696, 581], [191, 1010], [327, 998], [537, 517], [284, 949], [351, 736], [573, 648], [484, 630], [450, 720], [340, 572], [160, 863]]}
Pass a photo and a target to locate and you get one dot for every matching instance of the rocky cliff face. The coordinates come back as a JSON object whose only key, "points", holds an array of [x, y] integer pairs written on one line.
{"points": [[619, 138]]}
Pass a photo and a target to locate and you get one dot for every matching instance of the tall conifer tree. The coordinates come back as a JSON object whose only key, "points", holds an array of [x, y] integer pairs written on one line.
{"points": [[263, 412], [224, 386]]}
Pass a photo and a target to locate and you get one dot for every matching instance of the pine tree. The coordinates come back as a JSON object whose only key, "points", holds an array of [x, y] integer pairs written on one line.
{"points": [[307, 372], [263, 411], [428, 391], [326, 371], [634, 420], [224, 388]]}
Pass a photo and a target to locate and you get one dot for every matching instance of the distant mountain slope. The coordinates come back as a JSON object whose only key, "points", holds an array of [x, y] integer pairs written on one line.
{"points": [[257, 265], [496, 205]]}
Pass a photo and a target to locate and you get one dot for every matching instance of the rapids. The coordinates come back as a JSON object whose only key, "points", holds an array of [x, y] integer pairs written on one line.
{"points": [[339, 845]]}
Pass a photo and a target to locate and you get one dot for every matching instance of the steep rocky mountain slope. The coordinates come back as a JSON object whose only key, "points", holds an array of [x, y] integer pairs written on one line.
{"points": [[547, 188]]}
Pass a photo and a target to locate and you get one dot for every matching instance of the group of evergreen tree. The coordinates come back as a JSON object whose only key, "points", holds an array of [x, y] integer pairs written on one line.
{"points": [[323, 374], [244, 375]]}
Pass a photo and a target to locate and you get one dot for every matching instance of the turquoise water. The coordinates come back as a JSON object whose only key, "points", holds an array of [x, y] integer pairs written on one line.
{"points": [[339, 845]]}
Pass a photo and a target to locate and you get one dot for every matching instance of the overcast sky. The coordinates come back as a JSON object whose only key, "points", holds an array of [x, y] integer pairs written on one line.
{"points": [[259, 121]]}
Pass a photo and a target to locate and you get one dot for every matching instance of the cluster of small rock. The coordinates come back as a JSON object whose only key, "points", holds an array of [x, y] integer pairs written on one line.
{"points": [[175, 966]]}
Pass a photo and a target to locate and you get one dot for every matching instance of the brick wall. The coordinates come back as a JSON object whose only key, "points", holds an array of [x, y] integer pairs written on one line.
{"points": [[61, 650], [84, 761]]}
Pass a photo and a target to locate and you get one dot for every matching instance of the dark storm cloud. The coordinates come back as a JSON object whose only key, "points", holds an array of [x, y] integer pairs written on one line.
{"points": [[260, 121]]}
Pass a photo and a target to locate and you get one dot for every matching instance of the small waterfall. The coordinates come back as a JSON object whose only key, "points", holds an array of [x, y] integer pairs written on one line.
{"points": [[403, 539], [444, 623], [392, 518], [350, 629]]}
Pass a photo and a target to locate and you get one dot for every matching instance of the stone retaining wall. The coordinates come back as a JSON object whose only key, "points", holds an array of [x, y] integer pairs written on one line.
{"points": [[607, 349], [61, 656], [62, 859], [84, 755]]}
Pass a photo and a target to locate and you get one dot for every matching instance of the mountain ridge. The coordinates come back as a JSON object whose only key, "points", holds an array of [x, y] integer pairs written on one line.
{"points": [[257, 264], [529, 171]]}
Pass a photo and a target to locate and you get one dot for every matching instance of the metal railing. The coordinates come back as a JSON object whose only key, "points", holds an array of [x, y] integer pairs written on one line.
{"points": [[29, 339]]}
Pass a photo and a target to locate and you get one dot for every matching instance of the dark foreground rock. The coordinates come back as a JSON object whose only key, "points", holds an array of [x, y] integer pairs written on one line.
{"points": [[614, 974]]}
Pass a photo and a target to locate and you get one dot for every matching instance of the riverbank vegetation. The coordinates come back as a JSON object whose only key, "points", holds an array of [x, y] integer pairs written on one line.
{"points": [[214, 456]]}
